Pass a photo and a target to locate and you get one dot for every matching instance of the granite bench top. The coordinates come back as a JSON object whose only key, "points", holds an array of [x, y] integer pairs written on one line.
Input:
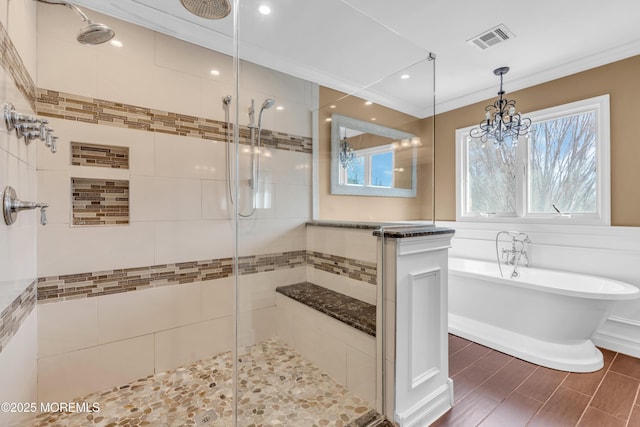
{"points": [[353, 312], [366, 225], [413, 231]]}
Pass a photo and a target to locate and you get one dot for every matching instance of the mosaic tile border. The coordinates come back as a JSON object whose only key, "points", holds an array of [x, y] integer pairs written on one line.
{"points": [[93, 284], [12, 317], [99, 201], [348, 267], [67, 106], [84, 285], [11, 62], [100, 156], [270, 262]]}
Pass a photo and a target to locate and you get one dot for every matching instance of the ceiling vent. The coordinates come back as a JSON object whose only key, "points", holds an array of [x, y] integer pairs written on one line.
{"points": [[491, 37]]}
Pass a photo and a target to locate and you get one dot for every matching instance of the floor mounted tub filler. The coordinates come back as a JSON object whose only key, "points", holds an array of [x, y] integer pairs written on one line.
{"points": [[543, 316]]}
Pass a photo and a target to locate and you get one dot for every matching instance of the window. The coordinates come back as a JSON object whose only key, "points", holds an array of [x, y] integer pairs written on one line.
{"points": [[374, 167], [558, 172]]}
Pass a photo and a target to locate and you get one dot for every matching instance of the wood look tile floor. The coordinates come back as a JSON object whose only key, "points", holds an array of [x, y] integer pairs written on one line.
{"points": [[492, 389]]}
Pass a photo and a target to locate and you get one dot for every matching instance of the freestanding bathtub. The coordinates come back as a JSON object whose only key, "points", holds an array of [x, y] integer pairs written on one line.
{"points": [[543, 316]]}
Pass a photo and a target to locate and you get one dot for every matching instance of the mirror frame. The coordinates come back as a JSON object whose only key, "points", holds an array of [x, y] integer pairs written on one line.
{"points": [[337, 121]]}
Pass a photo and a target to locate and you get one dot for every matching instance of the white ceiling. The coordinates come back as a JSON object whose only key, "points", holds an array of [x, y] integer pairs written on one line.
{"points": [[363, 46]]}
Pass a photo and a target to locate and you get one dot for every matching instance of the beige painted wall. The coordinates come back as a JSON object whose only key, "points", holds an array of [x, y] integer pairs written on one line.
{"points": [[367, 208], [618, 79]]}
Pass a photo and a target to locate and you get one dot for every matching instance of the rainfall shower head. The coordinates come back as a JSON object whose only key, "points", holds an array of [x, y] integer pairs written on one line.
{"points": [[208, 9], [91, 33]]}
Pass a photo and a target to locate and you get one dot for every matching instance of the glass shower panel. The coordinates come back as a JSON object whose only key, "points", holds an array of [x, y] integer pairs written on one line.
{"points": [[130, 315], [308, 339], [196, 267]]}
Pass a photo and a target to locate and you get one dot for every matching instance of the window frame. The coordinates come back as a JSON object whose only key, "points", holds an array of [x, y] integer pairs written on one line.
{"points": [[600, 105], [367, 154]]}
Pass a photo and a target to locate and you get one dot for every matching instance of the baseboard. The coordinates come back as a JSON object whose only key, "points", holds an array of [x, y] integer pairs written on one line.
{"points": [[429, 409], [619, 334]]}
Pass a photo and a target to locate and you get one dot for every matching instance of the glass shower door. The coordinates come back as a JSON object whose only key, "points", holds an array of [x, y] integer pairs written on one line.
{"points": [[307, 340]]}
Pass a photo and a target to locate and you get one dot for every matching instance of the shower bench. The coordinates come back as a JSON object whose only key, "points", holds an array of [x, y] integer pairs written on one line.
{"points": [[351, 311], [333, 331]]}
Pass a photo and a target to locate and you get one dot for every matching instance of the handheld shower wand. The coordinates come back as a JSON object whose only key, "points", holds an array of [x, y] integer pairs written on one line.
{"points": [[268, 103], [255, 147], [226, 102]]}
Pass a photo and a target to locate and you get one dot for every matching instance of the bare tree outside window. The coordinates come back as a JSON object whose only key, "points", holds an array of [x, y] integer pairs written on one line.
{"points": [[562, 165], [492, 184], [559, 173]]}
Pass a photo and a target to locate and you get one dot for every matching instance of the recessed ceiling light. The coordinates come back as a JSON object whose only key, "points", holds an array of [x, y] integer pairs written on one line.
{"points": [[264, 9], [328, 119], [332, 106], [368, 103], [215, 72], [405, 76], [116, 43], [373, 119], [279, 108]]}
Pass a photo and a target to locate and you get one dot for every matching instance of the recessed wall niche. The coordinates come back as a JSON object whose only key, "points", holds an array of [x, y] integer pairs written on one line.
{"points": [[103, 156], [99, 201]]}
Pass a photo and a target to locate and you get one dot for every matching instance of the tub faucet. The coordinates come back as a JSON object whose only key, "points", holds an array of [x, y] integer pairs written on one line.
{"points": [[516, 254]]}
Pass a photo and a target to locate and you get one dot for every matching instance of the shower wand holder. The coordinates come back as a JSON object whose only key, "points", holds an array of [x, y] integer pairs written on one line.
{"points": [[12, 206]]}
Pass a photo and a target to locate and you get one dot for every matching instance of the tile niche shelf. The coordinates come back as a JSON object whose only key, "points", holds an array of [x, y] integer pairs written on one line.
{"points": [[99, 188], [99, 201], [95, 155]]}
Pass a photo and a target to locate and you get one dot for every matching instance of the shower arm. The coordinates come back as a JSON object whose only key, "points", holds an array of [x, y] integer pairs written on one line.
{"points": [[73, 7]]}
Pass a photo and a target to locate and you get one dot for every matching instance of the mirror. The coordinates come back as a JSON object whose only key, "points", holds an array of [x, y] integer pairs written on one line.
{"points": [[372, 160]]}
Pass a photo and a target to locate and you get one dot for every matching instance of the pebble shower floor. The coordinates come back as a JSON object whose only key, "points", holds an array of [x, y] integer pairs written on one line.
{"points": [[277, 387]]}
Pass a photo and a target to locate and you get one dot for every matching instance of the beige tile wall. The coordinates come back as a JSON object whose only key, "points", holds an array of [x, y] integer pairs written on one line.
{"points": [[153, 330], [156, 98], [12, 316], [343, 260], [12, 64], [346, 354], [18, 362], [18, 339]]}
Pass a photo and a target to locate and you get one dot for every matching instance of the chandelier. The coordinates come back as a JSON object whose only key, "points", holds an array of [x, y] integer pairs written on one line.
{"points": [[346, 155], [502, 121]]}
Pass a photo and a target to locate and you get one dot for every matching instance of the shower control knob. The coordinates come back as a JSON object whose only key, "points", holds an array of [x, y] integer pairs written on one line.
{"points": [[26, 128], [12, 118], [12, 206], [29, 127], [43, 213], [31, 135], [44, 130]]}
